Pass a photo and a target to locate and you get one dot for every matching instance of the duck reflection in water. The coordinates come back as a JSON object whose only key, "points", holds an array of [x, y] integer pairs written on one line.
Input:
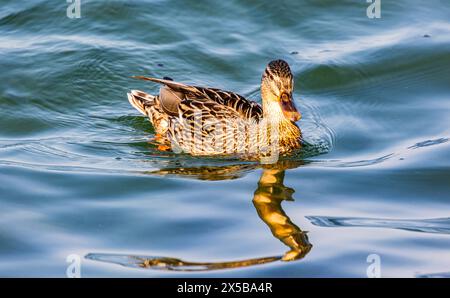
{"points": [[267, 199]]}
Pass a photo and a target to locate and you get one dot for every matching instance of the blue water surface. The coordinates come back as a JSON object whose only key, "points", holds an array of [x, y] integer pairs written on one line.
{"points": [[79, 177]]}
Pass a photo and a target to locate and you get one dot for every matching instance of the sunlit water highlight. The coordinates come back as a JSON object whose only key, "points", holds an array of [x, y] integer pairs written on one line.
{"points": [[79, 176]]}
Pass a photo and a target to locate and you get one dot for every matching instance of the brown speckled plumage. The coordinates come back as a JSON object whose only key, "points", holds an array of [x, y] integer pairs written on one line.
{"points": [[210, 121]]}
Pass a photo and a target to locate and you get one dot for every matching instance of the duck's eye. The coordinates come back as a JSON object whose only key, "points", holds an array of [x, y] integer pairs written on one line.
{"points": [[284, 97]]}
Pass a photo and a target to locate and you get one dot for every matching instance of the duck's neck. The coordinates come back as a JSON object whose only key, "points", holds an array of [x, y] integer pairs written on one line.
{"points": [[273, 114]]}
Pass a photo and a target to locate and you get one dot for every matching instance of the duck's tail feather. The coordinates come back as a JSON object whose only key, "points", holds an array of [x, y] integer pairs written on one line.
{"points": [[176, 86], [166, 81], [141, 100]]}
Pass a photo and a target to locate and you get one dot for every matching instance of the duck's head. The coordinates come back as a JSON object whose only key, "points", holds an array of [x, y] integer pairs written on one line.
{"points": [[277, 85]]}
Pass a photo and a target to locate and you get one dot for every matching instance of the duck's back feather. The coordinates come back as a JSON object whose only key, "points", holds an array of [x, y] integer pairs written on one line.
{"points": [[176, 97]]}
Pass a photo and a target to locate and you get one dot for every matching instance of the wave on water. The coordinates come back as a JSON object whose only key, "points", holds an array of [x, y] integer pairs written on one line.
{"points": [[142, 162], [434, 225], [376, 160], [434, 275]]}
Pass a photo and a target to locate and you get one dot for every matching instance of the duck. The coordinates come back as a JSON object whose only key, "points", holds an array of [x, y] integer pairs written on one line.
{"points": [[203, 121]]}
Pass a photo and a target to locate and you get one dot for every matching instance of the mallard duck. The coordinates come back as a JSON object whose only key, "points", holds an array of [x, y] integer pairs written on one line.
{"points": [[209, 121]]}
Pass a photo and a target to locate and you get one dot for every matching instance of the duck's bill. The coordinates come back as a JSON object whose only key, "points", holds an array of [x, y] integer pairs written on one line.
{"points": [[290, 111]]}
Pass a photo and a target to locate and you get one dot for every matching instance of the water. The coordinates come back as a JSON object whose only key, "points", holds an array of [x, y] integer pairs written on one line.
{"points": [[78, 176]]}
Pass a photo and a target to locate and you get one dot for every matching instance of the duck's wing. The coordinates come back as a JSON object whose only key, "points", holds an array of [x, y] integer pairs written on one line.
{"points": [[176, 97]]}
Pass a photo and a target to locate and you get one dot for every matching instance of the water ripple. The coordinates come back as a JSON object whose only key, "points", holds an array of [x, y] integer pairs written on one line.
{"points": [[147, 159], [434, 225], [377, 160], [434, 275], [428, 143]]}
